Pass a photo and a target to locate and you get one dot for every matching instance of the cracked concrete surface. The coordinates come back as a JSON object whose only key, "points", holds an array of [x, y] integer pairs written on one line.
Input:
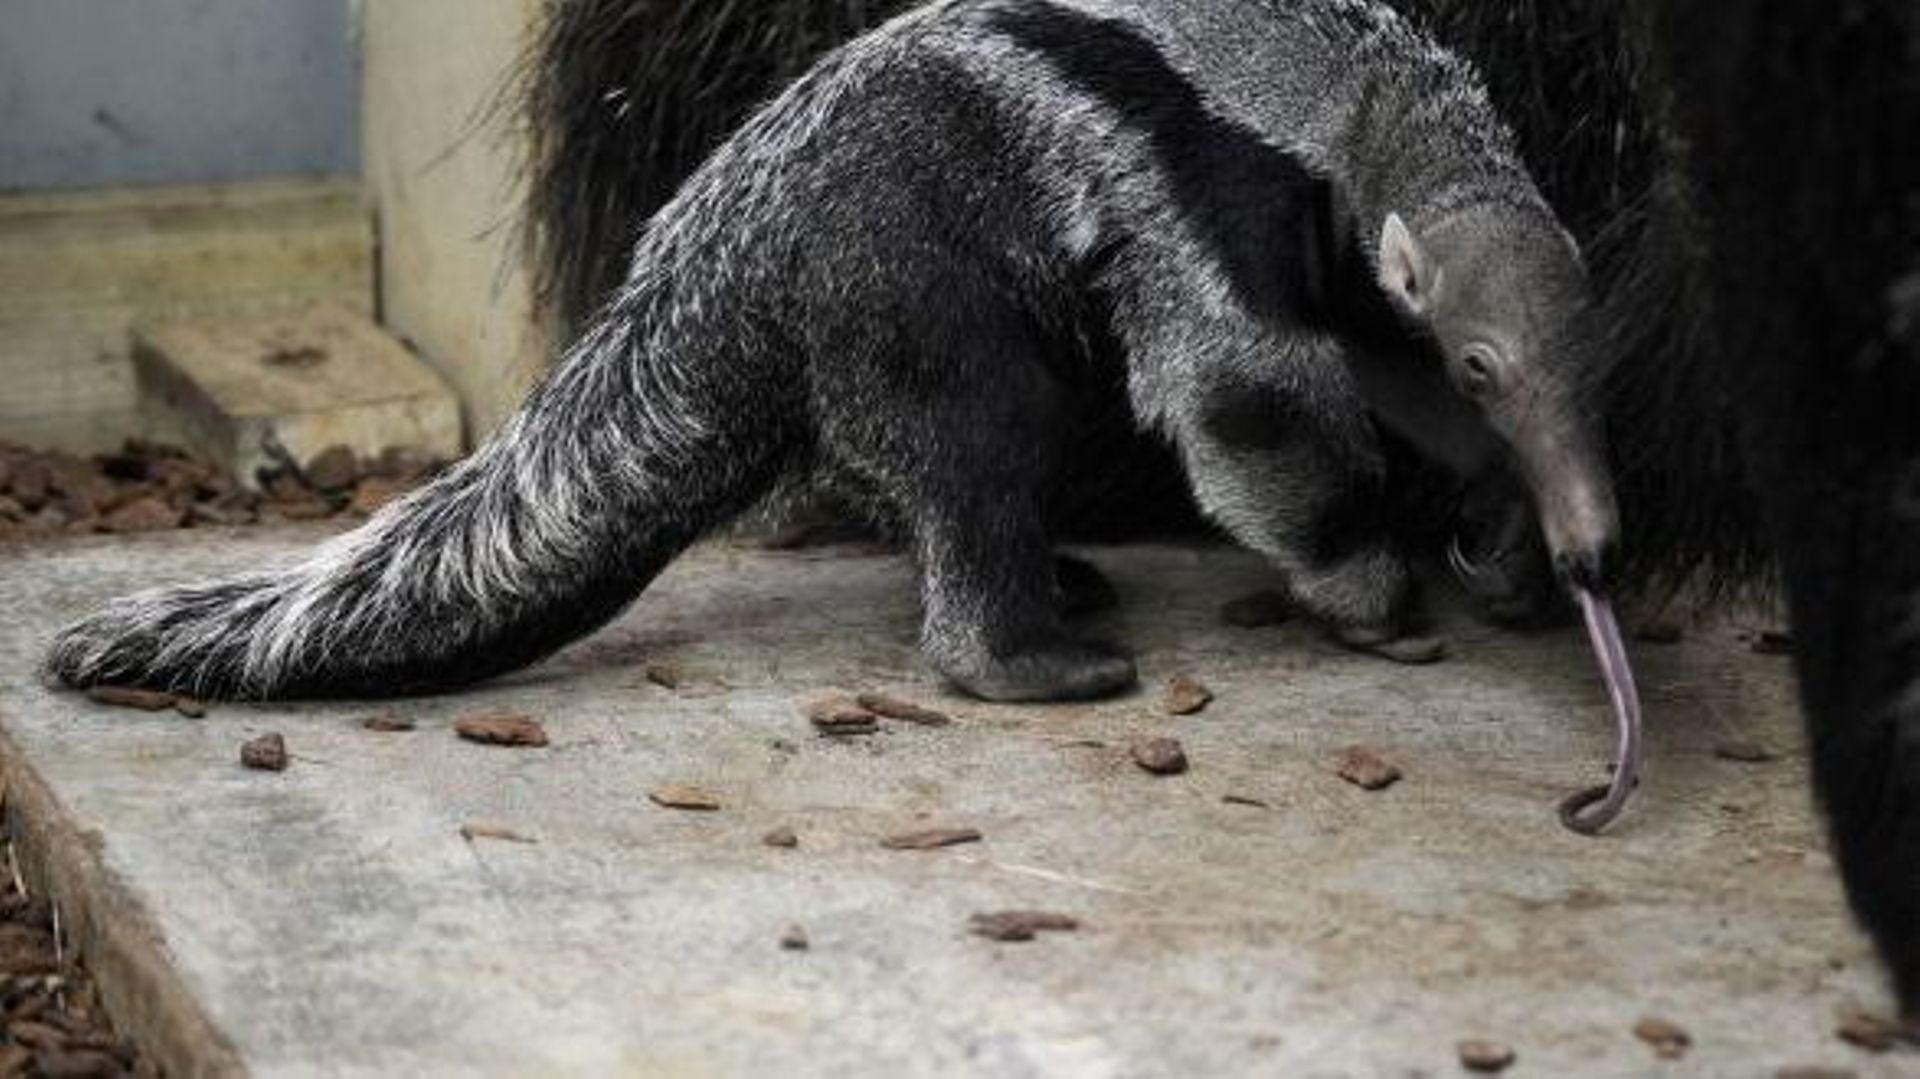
{"points": [[332, 919]]}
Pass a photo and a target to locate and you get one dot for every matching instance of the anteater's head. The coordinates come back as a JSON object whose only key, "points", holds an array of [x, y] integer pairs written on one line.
{"points": [[1504, 297]]}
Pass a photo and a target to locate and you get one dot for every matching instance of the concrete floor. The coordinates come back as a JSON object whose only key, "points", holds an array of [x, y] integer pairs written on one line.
{"points": [[331, 918]]}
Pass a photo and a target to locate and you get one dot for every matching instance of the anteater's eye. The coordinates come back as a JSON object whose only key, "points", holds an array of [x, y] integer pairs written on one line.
{"points": [[1477, 374]]}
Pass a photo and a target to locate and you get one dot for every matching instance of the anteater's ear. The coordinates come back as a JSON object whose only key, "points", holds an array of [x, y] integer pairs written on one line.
{"points": [[1407, 272]]}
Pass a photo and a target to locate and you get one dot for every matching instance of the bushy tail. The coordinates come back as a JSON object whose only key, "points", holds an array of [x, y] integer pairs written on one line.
{"points": [[607, 473]]}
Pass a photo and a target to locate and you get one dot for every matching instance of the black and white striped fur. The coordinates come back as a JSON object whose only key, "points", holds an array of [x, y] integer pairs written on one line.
{"points": [[905, 276]]}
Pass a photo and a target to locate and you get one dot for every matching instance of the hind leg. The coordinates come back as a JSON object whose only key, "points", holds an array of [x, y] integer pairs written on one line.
{"points": [[957, 427]]}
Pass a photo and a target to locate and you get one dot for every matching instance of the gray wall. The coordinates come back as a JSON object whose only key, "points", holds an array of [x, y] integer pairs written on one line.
{"points": [[107, 92]]}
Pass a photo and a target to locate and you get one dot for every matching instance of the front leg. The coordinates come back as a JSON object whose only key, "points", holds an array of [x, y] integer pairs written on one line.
{"points": [[1280, 450]]}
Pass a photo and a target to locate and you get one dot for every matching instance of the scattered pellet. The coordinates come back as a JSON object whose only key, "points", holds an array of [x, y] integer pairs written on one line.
{"points": [[388, 723], [1366, 769], [1744, 752], [501, 729], [1669, 1040], [190, 707], [1186, 696], [146, 700], [1161, 756], [1485, 1056], [333, 469], [839, 717], [931, 838], [794, 938], [783, 836], [1257, 610], [682, 796], [1873, 1033], [471, 832], [1020, 925], [267, 753], [664, 675], [1244, 800], [905, 711]]}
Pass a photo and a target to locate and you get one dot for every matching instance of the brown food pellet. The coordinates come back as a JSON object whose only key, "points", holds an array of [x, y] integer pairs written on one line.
{"points": [[1871, 1032], [333, 469], [1485, 1056], [1185, 696], [388, 724], [143, 515], [840, 716], [1020, 925], [682, 796], [471, 832], [190, 707], [146, 700], [267, 753], [794, 938], [1365, 769], [1745, 752], [931, 838], [905, 711], [1244, 800], [1257, 610], [1161, 756], [664, 676], [782, 836], [501, 729], [1668, 1039]]}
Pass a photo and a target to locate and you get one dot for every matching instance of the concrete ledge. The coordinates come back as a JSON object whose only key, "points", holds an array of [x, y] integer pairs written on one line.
{"points": [[268, 391], [115, 936], [77, 269]]}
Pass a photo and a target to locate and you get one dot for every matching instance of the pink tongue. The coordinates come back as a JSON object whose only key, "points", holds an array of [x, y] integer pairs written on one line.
{"points": [[1590, 811]]}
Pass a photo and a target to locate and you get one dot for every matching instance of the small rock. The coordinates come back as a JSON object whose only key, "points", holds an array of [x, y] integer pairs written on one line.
{"points": [[1185, 696], [1485, 1056], [905, 711], [794, 938], [1873, 1033], [267, 753], [501, 729], [681, 796], [471, 832], [1668, 1039], [839, 717], [333, 469], [146, 700], [1020, 925], [664, 675], [1161, 756], [1365, 769], [931, 838], [388, 723], [1257, 610], [190, 707], [1744, 752], [1773, 642], [782, 836]]}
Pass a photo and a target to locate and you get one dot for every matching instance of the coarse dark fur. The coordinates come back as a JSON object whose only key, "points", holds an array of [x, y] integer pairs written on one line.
{"points": [[908, 276]]}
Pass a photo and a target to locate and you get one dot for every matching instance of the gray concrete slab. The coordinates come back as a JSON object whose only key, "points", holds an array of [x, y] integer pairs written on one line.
{"points": [[331, 918]]}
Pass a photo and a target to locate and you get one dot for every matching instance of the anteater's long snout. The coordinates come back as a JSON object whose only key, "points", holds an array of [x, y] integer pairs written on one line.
{"points": [[1573, 495]]}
